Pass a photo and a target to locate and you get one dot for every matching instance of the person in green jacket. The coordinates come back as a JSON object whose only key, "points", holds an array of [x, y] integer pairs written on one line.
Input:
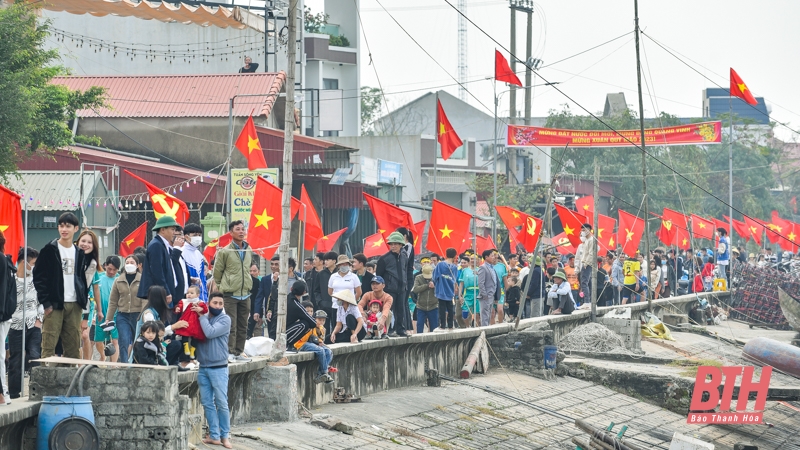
{"points": [[232, 274], [427, 303]]}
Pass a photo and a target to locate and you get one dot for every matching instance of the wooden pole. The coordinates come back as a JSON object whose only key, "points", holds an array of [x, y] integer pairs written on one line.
{"points": [[595, 228], [474, 356]]}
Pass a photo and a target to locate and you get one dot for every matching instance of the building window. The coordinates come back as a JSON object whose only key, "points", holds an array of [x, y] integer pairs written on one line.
{"points": [[460, 153], [330, 83]]}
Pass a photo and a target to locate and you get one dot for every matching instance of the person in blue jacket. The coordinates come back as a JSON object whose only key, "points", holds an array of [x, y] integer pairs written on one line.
{"points": [[158, 268]]}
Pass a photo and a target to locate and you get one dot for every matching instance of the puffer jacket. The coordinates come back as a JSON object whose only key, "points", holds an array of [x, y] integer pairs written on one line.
{"points": [[232, 273], [123, 296], [426, 297], [8, 288]]}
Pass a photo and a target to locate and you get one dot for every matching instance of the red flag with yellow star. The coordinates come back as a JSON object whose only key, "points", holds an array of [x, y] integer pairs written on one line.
{"points": [[136, 239], [466, 243], [682, 239], [448, 226], [739, 89], [606, 238], [375, 245], [446, 135], [511, 217], [264, 229], [792, 239], [211, 249], [755, 228], [484, 243], [571, 221], [249, 145], [419, 230], [389, 217], [585, 206], [740, 228], [11, 221], [313, 224], [165, 204], [702, 228], [629, 233], [326, 243]]}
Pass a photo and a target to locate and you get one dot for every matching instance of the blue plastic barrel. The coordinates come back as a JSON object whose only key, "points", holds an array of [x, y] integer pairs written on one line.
{"points": [[56, 409], [550, 353]]}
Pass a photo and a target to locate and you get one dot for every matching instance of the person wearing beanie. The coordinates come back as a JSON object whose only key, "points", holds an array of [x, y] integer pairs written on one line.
{"points": [[427, 303], [298, 320]]}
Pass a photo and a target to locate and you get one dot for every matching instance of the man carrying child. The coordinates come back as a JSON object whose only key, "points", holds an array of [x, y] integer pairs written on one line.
{"points": [[385, 300]]}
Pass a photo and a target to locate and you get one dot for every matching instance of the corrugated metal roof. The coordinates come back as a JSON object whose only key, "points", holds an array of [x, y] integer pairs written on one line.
{"points": [[54, 190], [181, 95]]}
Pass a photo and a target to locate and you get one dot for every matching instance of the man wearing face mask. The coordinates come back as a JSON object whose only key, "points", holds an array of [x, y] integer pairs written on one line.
{"points": [[195, 261], [584, 261]]}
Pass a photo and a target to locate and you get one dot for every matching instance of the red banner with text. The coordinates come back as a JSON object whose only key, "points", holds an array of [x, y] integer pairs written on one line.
{"points": [[690, 134]]}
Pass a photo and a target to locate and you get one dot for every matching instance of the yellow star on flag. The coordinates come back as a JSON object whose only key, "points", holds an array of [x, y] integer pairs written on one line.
{"points": [[377, 243], [742, 87], [568, 230], [753, 230], [381, 231], [264, 219], [684, 241], [600, 232], [611, 242], [441, 128], [515, 214], [252, 144], [791, 236], [628, 235], [445, 231], [586, 207], [3, 228], [324, 238], [701, 225], [129, 242]]}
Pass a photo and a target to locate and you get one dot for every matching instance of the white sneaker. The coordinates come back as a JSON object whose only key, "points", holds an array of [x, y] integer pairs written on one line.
{"points": [[231, 358], [241, 358]]}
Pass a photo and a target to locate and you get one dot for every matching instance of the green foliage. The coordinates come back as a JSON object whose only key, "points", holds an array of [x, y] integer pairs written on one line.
{"points": [[33, 113], [88, 140], [313, 23], [707, 166], [339, 41], [371, 101]]}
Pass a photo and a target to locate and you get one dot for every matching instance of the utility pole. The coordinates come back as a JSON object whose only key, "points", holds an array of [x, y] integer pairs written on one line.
{"points": [[528, 68], [644, 155], [512, 107], [286, 198], [595, 228]]}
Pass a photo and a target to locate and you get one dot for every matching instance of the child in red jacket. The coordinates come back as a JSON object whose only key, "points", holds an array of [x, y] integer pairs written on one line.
{"points": [[193, 330]]}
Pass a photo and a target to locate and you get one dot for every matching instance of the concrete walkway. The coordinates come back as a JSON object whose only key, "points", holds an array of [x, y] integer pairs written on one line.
{"points": [[455, 416]]}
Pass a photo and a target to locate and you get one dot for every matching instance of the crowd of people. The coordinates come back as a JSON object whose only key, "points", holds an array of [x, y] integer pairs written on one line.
{"points": [[167, 305]]}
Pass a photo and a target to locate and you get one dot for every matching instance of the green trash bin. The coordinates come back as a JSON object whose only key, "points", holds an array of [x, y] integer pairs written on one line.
{"points": [[214, 226]]}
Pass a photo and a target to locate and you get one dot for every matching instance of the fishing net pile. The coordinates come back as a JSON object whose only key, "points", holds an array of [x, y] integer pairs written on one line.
{"points": [[593, 338]]}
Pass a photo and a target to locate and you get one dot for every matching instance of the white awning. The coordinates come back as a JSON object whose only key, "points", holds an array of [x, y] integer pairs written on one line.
{"points": [[202, 15]]}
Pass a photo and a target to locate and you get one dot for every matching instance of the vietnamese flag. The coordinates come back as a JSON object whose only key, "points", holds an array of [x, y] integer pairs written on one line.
{"points": [[605, 232], [682, 239], [702, 228], [739, 89], [571, 221], [740, 228], [266, 218], [630, 232], [755, 228], [326, 243], [502, 71], [389, 217], [446, 135], [585, 206], [313, 225], [448, 226], [11, 222], [419, 230], [563, 244], [374, 245], [165, 204], [249, 145], [511, 217], [777, 227], [793, 238], [211, 249], [136, 239], [466, 243], [720, 224], [484, 243]]}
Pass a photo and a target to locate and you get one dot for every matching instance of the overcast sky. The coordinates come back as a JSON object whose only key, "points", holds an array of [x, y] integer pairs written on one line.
{"points": [[755, 38]]}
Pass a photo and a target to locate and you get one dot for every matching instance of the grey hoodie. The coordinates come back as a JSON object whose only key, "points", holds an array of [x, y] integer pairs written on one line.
{"points": [[213, 352]]}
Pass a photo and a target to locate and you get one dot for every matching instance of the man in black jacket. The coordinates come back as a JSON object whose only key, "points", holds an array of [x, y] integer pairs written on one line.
{"points": [[298, 320], [322, 300], [537, 291], [59, 277], [393, 267], [158, 268]]}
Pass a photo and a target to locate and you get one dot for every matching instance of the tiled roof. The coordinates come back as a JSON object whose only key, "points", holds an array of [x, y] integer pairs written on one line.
{"points": [[181, 95]]}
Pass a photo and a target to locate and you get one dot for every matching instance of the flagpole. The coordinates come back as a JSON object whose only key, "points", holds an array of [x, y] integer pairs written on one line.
{"points": [[730, 175], [494, 163], [24, 298], [644, 157], [436, 152]]}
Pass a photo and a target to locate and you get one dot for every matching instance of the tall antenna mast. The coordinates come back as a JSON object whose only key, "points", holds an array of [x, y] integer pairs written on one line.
{"points": [[462, 49]]}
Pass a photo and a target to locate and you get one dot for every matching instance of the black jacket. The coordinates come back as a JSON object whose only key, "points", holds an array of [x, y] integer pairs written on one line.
{"points": [[262, 297], [48, 277], [144, 355], [296, 314], [322, 299], [8, 288], [181, 275], [157, 270], [537, 288], [393, 267], [366, 283], [310, 277]]}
